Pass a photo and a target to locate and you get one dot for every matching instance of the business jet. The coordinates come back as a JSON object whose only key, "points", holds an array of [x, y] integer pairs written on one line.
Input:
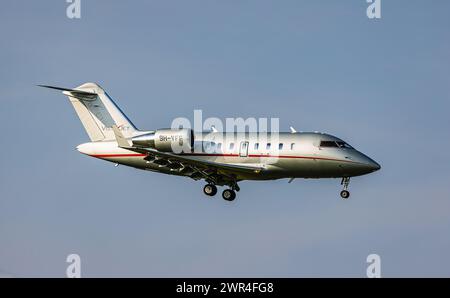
{"points": [[216, 157]]}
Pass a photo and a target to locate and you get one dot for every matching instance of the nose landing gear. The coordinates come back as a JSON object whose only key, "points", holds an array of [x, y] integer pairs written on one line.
{"points": [[345, 194]]}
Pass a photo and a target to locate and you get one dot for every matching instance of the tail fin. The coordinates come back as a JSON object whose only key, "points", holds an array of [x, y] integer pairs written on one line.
{"points": [[98, 112]]}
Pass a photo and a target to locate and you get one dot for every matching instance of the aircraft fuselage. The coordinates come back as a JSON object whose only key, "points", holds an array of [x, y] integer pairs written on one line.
{"points": [[294, 155]]}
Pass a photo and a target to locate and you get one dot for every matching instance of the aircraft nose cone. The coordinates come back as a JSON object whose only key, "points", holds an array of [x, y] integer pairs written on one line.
{"points": [[373, 165]]}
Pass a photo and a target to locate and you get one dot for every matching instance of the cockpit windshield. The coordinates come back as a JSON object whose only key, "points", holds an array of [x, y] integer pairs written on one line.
{"points": [[335, 144], [328, 144], [343, 144]]}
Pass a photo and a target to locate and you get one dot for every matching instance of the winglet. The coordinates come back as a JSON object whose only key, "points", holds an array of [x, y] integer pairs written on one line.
{"points": [[121, 140]]}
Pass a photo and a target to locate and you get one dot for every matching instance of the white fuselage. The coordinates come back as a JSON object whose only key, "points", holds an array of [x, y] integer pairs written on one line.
{"points": [[294, 155]]}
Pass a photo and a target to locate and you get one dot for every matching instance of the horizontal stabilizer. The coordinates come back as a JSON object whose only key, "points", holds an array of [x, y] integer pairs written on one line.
{"points": [[84, 95]]}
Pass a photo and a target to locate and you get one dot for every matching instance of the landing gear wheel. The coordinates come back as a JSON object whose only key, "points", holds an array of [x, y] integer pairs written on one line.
{"points": [[345, 194], [228, 195], [210, 190]]}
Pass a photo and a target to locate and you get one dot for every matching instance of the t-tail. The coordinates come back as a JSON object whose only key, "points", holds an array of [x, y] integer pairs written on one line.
{"points": [[97, 112]]}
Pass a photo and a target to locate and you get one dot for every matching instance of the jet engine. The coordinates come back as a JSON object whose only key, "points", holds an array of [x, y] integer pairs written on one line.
{"points": [[167, 140]]}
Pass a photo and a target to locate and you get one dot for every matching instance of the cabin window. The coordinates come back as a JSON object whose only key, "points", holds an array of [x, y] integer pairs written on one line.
{"points": [[292, 146], [231, 146], [329, 144], [208, 147], [280, 146], [268, 146], [219, 147], [256, 146]]}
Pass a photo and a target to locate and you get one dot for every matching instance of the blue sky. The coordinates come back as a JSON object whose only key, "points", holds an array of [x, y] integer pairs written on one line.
{"points": [[382, 85]]}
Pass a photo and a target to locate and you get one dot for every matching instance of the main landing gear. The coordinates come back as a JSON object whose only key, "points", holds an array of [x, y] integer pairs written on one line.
{"points": [[345, 194], [210, 190], [228, 194]]}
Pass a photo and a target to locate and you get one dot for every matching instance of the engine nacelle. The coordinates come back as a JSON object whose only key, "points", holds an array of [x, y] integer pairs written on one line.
{"points": [[167, 140]]}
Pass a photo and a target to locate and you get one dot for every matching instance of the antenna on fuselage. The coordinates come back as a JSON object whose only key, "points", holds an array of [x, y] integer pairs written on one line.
{"points": [[214, 129]]}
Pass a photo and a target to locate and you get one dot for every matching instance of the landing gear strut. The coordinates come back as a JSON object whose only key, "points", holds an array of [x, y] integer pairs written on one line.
{"points": [[345, 194], [210, 190], [235, 186]]}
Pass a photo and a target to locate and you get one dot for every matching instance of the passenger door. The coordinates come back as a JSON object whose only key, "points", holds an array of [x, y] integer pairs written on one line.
{"points": [[243, 150]]}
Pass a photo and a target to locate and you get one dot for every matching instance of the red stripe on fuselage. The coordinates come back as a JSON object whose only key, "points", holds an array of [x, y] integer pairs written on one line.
{"points": [[225, 155], [118, 155]]}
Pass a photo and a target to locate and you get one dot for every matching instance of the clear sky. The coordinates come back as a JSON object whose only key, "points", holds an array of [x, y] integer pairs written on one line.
{"points": [[381, 85]]}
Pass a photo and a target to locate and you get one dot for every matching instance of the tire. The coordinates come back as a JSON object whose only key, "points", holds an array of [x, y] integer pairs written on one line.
{"points": [[345, 194], [210, 190], [228, 195]]}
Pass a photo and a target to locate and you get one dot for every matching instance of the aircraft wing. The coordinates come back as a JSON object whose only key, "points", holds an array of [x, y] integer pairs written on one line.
{"points": [[205, 163], [205, 168]]}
